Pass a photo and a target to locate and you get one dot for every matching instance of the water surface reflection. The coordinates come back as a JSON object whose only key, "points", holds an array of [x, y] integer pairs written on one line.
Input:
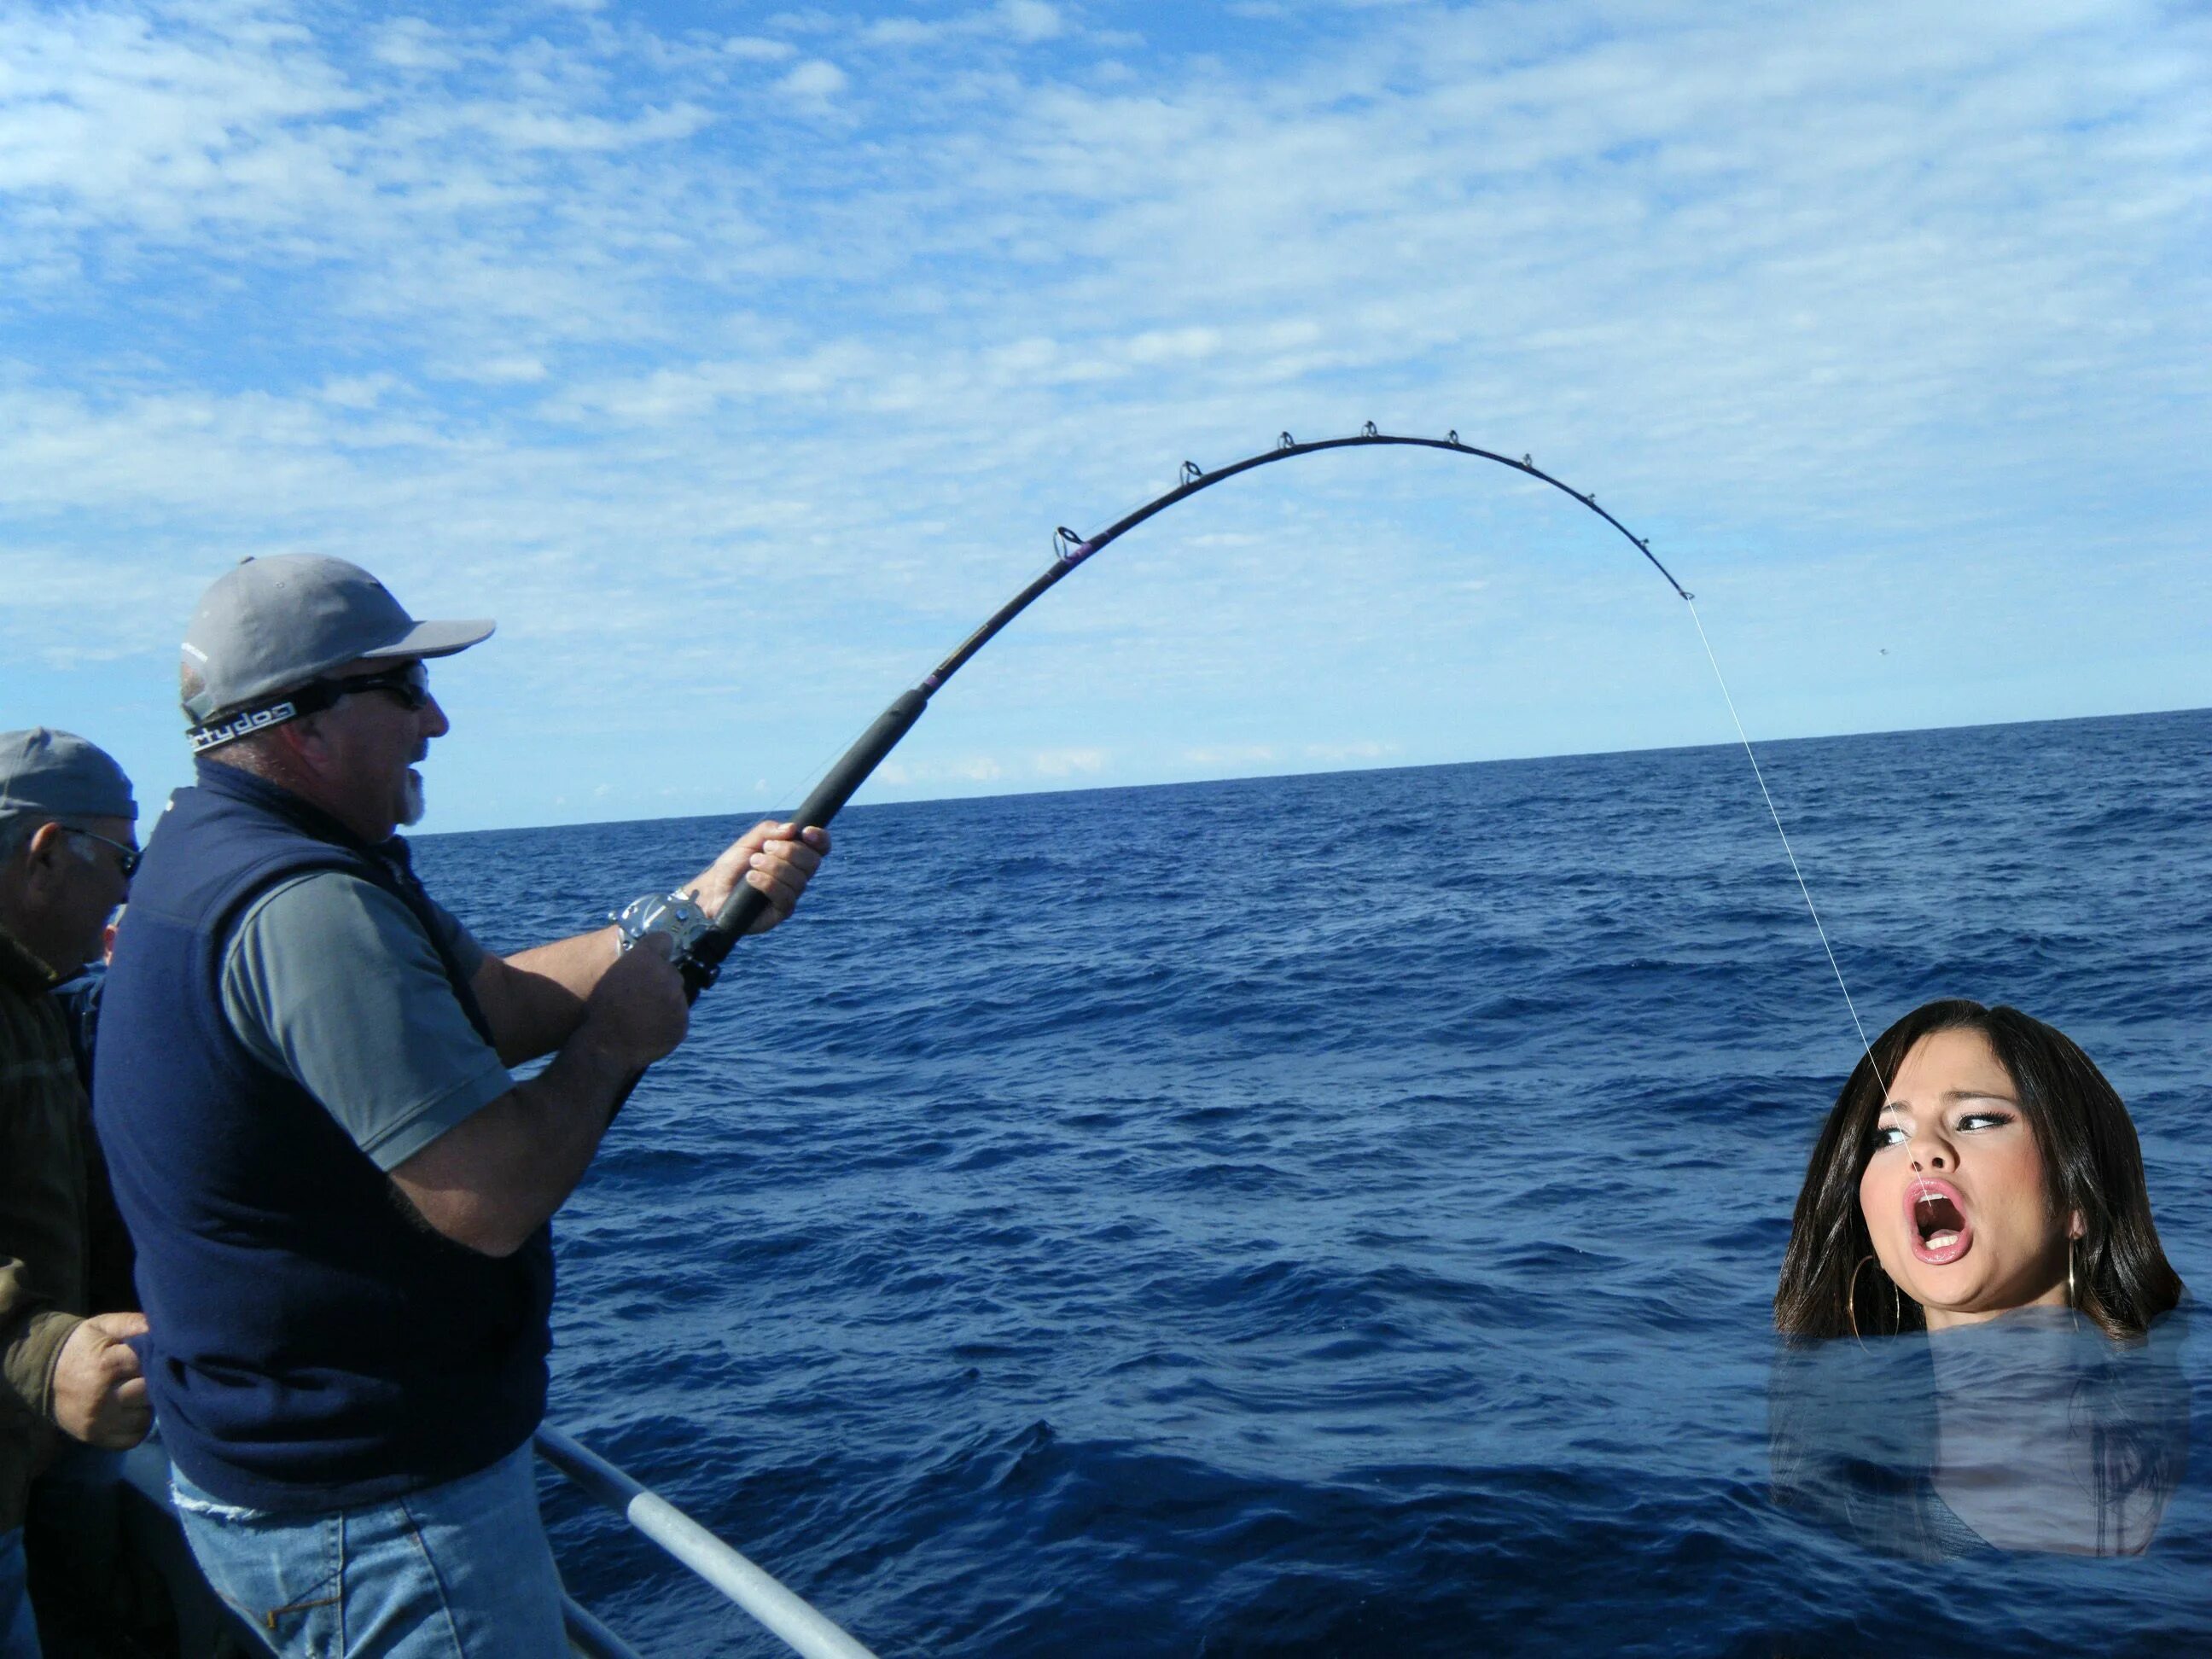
{"points": [[2032, 1432]]}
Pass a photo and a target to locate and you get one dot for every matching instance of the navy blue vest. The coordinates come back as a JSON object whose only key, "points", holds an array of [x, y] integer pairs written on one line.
{"points": [[314, 1344]]}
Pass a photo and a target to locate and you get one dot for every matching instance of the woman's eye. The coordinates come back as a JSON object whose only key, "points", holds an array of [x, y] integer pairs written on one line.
{"points": [[1889, 1135], [1984, 1119]]}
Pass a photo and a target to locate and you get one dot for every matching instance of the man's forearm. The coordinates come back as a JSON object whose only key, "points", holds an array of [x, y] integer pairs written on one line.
{"points": [[535, 999], [497, 1177], [32, 1332]]}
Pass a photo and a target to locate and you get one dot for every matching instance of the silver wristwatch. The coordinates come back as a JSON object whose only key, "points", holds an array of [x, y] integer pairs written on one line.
{"points": [[677, 915]]}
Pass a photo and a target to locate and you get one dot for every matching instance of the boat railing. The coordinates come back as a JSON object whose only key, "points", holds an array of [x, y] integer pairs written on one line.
{"points": [[805, 1631], [588, 1636]]}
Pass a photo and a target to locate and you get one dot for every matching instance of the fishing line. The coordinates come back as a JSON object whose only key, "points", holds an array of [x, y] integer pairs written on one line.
{"points": [[701, 964], [1811, 909]]}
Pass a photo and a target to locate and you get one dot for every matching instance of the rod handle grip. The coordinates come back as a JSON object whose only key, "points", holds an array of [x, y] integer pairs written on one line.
{"points": [[702, 964]]}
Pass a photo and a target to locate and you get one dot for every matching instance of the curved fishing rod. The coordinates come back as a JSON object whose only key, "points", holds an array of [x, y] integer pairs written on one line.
{"points": [[701, 964]]}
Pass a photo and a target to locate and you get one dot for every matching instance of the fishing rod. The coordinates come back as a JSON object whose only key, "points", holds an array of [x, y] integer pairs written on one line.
{"points": [[700, 961]]}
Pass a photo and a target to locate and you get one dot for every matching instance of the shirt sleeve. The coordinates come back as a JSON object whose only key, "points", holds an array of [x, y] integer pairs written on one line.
{"points": [[468, 951], [32, 1333], [331, 981]]}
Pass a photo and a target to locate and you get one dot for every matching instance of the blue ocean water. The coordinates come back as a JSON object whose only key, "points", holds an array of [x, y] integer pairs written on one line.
{"points": [[1336, 1214]]}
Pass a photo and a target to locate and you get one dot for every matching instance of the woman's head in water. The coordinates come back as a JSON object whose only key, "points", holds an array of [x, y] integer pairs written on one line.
{"points": [[1997, 1143]]}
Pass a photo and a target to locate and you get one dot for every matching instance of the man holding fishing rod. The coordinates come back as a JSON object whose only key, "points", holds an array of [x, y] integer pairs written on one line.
{"points": [[340, 1197]]}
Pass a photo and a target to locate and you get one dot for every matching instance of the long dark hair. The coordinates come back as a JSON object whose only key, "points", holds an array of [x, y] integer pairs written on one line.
{"points": [[2092, 1162]]}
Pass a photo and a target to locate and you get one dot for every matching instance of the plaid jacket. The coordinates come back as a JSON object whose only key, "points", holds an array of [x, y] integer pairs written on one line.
{"points": [[45, 1217]]}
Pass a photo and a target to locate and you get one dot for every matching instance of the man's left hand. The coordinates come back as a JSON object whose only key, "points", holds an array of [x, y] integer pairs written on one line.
{"points": [[775, 858]]}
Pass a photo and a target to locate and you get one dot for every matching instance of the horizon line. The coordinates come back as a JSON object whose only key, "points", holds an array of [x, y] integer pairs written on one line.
{"points": [[1341, 771]]}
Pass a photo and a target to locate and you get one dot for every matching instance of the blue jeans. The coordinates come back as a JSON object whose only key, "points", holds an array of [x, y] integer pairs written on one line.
{"points": [[19, 1632], [459, 1569]]}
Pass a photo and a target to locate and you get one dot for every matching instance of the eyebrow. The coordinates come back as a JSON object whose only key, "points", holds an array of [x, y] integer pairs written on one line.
{"points": [[1950, 1096]]}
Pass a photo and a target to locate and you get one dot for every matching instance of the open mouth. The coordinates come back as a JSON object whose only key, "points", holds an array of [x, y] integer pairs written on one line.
{"points": [[1940, 1231]]}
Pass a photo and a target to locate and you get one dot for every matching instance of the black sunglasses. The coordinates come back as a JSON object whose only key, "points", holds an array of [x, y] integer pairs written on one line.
{"points": [[126, 858], [409, 686]]}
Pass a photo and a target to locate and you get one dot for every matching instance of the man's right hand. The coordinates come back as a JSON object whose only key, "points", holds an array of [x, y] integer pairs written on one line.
{"points": [[100, 1397], [638, 1011]]}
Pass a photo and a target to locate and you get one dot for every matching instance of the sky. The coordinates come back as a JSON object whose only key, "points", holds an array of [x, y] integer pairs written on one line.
{"points": [[739, 362]]}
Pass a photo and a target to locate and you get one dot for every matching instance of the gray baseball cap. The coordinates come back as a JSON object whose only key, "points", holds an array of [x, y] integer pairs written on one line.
{"points": [[60, 776], [271, 625]]}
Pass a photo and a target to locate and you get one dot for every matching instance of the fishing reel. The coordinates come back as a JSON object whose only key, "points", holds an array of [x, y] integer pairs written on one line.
{"points": [[677, 917]]}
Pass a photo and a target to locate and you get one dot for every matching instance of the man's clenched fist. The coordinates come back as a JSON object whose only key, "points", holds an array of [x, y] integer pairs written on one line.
{"points": [[100, 1396]]}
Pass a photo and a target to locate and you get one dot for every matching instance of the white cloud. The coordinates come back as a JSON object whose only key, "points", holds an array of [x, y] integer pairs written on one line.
{"points": [[1339, 754], [967, 769], [754, 49], [358, 391], [902, 32], [1028, 20], [412, 43], [522, 368], [1087, 763], [816, 79]]}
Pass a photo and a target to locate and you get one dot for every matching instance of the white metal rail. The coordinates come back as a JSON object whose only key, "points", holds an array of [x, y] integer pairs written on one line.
{"points": [[805, 1631], [588, 1636]]}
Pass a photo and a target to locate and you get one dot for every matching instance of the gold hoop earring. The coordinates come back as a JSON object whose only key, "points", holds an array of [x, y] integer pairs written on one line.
{"points": [[1851, 1297], [1851, 1301]]}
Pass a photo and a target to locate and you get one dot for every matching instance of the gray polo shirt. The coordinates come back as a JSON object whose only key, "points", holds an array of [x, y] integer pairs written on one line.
{"points": [[331, 981]]}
